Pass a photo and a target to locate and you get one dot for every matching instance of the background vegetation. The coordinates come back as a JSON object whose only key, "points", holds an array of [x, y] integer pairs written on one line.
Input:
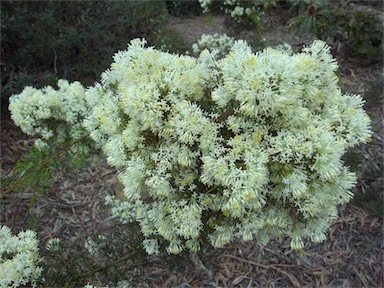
{"points": [[43, 41]]}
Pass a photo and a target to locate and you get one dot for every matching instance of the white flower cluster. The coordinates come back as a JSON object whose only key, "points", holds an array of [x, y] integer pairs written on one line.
{"points": [[237, 12], [219, 42], [53, 244], [248, 146], [18, 258], [235, 8], [52, 115], [205, 5]]}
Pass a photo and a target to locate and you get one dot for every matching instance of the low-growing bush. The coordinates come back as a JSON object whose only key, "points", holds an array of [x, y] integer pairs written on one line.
{"points": [[246, 13], [246, 147]]}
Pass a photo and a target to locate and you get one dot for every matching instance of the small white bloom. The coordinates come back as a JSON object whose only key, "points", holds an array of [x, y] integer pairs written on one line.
{"points": [[21, 252], [53, 244]]}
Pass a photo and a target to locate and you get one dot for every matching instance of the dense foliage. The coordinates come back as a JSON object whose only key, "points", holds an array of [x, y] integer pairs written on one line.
{"points": [[248, 146], [355, 28], [43, 41]]}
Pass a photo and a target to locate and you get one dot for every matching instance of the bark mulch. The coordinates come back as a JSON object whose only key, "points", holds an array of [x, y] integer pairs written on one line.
{"points": [[73, 209]]}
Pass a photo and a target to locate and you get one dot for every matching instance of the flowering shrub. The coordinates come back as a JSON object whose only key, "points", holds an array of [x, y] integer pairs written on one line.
{"points": [[239, 10], [220, 42], [247, 147], [18, 258]]}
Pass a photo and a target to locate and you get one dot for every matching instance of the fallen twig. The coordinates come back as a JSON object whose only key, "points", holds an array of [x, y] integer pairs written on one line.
{"points": [[275, 267]]}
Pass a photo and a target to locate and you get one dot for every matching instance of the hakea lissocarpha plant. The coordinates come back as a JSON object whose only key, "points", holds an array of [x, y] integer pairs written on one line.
{"points": [[248, 146]]}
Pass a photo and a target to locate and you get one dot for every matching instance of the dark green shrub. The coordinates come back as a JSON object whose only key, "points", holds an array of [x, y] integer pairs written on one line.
{"points": [[184, 9], [363, 30], [43, 41], [356, 29], [299, 6]]}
